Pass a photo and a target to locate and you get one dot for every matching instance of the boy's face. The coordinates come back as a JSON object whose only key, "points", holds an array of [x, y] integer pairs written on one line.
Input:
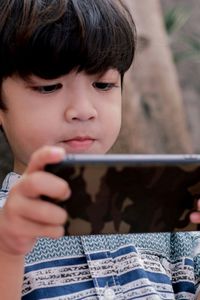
{"points": [[79, 112]]}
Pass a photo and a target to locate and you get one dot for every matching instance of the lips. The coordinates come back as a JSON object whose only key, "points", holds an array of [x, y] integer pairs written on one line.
{"points": [[79, 142]]}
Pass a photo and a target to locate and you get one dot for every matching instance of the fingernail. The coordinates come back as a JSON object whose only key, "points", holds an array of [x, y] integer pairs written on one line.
{"points": [[57, 152]]}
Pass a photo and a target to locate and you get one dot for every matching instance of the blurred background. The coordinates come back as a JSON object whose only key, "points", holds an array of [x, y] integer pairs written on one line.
{"points": [[161, 96]]}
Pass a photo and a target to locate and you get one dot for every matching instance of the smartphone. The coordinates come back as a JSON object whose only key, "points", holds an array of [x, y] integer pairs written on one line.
{"points": [[121, 194]]}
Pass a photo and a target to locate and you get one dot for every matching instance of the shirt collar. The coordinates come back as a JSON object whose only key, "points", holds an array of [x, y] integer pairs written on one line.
{"points": [[10, 180]]}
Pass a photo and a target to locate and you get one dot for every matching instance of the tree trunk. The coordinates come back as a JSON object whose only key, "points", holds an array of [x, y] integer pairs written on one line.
{"points": [[153, 117]]}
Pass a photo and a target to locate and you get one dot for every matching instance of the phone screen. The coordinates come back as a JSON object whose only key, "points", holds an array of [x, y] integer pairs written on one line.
{"points": [[129, 196]]}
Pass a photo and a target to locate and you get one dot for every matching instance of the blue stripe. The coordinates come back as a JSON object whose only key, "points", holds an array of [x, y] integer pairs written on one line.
{"points": [[56, 263], [103, 281], [59, 291], [184, 286], [141, 274], [184, 261], [158, 277], [106, 254], [99, 255], [133, 276], [188, 262], [124, 251]]}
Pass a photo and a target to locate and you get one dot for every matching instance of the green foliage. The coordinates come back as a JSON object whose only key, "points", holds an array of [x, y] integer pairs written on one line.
{"points": [[175, 19]]}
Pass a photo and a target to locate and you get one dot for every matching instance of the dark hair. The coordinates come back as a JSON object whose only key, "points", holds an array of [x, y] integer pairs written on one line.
{"points": [[51, 38]]}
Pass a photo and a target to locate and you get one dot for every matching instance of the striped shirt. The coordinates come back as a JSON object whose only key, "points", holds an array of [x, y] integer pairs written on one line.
{"points": [[132, 266]]}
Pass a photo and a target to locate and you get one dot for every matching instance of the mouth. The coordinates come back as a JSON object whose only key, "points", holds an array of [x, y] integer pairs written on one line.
{"points": [[79, 143]]}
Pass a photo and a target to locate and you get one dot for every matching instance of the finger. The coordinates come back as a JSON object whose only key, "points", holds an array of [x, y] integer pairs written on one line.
{"points": [[34, 209], [48, 231], [26, 229], [44, 213], [43, 183], [195, 217], [43, 156]]}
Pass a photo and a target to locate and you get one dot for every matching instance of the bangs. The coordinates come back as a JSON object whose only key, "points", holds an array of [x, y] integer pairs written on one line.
{"points": [[90, 36]]}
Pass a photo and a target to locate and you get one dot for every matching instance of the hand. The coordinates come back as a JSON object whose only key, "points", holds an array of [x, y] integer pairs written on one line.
{"points": [[195, 216], [25, 217]]}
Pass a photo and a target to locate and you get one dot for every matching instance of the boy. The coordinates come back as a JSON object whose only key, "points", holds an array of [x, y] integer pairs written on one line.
{"points": [[61, 67]]}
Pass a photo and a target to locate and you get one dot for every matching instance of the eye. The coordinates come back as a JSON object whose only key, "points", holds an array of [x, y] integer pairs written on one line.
{"points": [[47, 89], [104, 86]]}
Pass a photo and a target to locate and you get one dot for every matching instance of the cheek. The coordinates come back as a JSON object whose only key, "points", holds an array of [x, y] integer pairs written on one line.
{"points": [[113, 121], [116, 124], [27, 134], [115, 114], [37, 134]]}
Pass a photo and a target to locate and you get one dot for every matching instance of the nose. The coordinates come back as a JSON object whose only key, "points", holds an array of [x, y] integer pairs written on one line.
{"points": [[80, 110]]}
